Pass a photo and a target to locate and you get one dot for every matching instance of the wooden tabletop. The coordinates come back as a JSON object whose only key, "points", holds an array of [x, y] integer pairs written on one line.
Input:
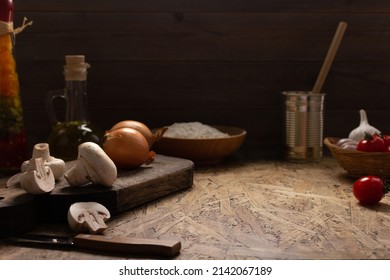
{"points": [[250, 209]]}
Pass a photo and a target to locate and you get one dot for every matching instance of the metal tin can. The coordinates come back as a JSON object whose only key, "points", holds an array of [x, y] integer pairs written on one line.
{"points": [[303, 125]]}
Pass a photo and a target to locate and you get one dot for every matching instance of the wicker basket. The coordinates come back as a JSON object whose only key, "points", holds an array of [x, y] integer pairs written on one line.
{"points": [[359, 164]]}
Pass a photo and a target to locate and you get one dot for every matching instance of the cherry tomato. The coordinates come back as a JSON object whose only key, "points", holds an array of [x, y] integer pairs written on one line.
{"points": [[372, 143], [386, 139], [369, 190]]}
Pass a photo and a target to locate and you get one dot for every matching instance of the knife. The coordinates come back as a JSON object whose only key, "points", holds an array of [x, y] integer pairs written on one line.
{"points": [[103, 243]]}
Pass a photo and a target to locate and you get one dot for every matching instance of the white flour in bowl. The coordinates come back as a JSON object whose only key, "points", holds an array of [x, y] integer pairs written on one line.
{"points": [[193, 130]]}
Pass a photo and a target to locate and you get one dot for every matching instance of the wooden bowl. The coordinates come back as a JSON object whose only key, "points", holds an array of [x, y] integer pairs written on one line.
{"points": [[357, 163], [202, 151]]}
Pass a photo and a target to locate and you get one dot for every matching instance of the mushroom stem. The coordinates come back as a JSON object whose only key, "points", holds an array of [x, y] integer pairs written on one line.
{"points": [[77, 175], [41, 150], [94, 221]]}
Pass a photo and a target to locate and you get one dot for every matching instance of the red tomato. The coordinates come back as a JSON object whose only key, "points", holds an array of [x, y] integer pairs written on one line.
{"points": [[369, 190], [372, 143], [386, 139]]}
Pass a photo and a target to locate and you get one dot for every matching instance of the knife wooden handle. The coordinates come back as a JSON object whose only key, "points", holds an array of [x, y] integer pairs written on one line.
{"points": [[127, 245]]}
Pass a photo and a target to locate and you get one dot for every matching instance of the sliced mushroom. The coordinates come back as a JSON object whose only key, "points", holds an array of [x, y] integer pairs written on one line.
{"points": [[88, 217], [39, 179], [42, 150], [92, 166]]}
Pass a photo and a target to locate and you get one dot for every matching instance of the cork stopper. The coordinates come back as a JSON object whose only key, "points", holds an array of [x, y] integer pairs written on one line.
{"points": [[74, 59], [75, 68]]}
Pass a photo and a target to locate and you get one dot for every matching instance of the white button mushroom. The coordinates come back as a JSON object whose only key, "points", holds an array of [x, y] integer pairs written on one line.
{"points": [[92, 166], [88, 217], [38, 178], [42, 150]]}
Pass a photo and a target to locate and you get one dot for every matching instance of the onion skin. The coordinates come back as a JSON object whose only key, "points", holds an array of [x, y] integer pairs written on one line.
{"points": [[139, 126], [127, 148]]}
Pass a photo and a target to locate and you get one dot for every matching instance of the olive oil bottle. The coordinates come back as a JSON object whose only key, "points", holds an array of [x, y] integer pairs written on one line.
{"points": [[76, 128]]}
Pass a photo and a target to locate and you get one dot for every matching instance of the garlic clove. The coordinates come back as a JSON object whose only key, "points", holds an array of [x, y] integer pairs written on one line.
{"points": [[349, 146], [364, 127], [344, 141]]}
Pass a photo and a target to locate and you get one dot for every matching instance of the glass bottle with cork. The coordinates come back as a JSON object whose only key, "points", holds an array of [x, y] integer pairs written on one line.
{"points": [[76, 128]]}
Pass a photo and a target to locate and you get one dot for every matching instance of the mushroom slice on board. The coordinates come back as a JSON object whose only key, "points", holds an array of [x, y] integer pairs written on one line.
{"points": [[39, 179], [88, 217]]}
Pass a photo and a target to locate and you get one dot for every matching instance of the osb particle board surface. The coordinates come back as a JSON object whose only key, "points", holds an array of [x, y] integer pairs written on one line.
{"points": [[252, 210]]}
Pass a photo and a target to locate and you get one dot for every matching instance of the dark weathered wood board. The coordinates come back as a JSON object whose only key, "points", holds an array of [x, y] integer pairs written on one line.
{"points": [[166, 175], [18, 211]]}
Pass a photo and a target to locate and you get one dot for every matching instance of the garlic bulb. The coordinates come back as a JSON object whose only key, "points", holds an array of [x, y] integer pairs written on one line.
{"points": [[358, 133]]}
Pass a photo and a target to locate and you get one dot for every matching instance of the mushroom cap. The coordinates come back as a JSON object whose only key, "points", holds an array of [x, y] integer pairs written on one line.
{"points": [[100, 168], [92, 165]]}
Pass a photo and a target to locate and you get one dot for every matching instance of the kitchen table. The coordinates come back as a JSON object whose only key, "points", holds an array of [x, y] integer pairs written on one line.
{"points": [[249, 209]]}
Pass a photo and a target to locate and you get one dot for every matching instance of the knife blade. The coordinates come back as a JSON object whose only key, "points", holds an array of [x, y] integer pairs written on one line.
{"points": [[103, 243]]}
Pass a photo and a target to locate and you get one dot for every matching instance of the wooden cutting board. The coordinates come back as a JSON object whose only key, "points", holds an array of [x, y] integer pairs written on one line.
{"points": [[165, 175]]}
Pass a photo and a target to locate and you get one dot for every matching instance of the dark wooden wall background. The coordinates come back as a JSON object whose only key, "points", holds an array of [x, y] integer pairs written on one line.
{"points": [[215, 61]]}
